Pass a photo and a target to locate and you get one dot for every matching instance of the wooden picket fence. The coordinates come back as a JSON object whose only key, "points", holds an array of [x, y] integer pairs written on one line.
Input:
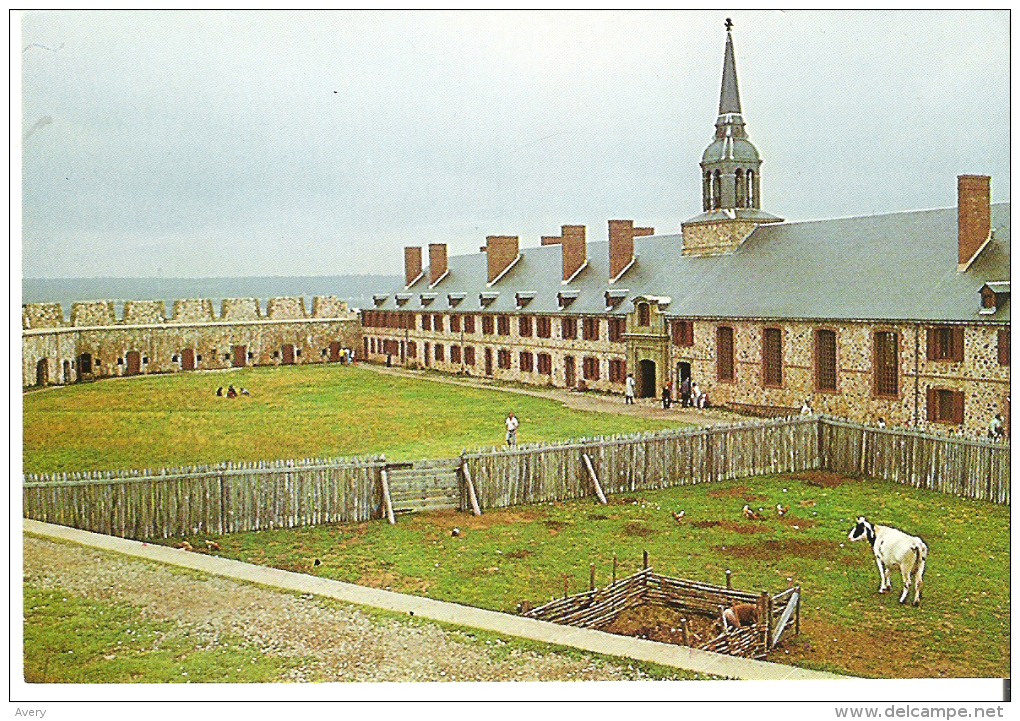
{"points": [[557, 471], [236, 497], [961, 467], [227, 498]]}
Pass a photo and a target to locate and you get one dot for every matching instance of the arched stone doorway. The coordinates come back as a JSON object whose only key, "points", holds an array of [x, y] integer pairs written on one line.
{"points": [[646, 379], [84, 366], [67, 372], [569, 371], [42, 372], [288, 354]]}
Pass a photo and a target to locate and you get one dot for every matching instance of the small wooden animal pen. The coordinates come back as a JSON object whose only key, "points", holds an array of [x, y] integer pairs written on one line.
{"points": [[599, 607]]}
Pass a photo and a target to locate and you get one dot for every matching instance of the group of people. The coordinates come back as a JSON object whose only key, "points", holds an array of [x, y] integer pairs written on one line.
{"points": [[691, 396], [231, 392]]}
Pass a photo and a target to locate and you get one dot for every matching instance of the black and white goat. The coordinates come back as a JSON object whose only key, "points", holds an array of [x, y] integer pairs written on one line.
{"points": [[893, 547]]}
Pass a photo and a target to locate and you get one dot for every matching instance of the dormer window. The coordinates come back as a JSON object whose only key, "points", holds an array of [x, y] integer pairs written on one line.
{"points": [[486, 299], [615, 296], [454, 299], [566, 297], [993, 295], [402, 298], [427, 298], [524, 298], [379, 298]]}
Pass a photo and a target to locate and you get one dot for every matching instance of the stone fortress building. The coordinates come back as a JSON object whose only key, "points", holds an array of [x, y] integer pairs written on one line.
{"points": [[98, 344], [903, 316]]}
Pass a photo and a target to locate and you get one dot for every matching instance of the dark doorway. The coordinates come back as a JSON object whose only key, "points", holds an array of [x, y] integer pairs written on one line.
{"points": [[240, 355], [334, 352], [403, 352], [42, 372], [569, 371], [428, 355], [288, 354], [188, 359], [67, 372], [683, 371], [84, 365], [488, 361], [132, 363], [646, 381]]}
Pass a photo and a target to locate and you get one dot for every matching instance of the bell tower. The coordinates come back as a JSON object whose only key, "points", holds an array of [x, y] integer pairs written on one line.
{"points": [[730, 175]]}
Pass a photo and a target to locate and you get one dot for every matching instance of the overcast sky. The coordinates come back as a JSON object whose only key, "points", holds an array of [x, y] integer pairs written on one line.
{"points": [[224, 144]]}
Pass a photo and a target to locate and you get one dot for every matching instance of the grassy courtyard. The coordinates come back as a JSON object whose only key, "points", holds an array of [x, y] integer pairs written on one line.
{"points": [[295, 412], [525, 554]]}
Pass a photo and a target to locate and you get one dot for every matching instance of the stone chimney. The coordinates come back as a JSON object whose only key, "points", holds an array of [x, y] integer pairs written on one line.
{"points": [[974, 213], [437, 262], [502, 251], [575, 250], [412, 264], [621, 246]]}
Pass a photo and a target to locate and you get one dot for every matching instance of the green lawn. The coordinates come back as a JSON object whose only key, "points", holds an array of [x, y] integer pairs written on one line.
{"points": [[295, 412], [518, 554]]}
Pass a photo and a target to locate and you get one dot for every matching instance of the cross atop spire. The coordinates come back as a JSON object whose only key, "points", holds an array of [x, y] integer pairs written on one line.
{"points": [[729, 97]]}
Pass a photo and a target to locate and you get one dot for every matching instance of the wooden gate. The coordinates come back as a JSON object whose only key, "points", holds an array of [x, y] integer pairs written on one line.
{"points": [[240, 355], [424, 485], [188, 359], [288, 354], [132, 363], [42, 372], [334, 352]]}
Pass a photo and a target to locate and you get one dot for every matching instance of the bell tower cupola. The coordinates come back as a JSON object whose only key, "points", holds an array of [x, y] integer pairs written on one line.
{"points": [[730, 174]]}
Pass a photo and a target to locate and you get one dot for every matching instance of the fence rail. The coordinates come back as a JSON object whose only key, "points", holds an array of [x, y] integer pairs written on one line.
{"points": [[247, 497]]}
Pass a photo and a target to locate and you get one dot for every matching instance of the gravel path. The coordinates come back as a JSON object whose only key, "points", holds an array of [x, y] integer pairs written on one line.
{"points": [[589, 401], [331, 642]]}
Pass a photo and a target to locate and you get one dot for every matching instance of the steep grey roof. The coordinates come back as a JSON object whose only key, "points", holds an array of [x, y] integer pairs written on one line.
{"points": [[901, 266]]}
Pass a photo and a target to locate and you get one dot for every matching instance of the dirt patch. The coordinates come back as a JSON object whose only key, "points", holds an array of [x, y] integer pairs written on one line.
{"points": [[773, 549], [598, 517], [706, 524], [738, 492], [823, 479], [446, 521], [663, 624], [625, 501], [522, 553], [800, 523], [745, 527], [635, 528], [900, 653], [555, 525]]}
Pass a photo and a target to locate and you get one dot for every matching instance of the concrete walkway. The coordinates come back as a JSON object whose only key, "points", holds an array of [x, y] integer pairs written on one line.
{"points": [[502, 623]]}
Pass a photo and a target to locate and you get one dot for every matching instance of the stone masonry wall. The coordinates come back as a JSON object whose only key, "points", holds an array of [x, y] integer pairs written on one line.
{"points": [[53, 355]]}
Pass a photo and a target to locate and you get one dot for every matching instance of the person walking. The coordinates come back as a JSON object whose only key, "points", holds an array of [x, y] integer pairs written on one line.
{"points": [[997, 429], [685, 392], [512, 425], [631, 387], [667, 396], [695, 394]]}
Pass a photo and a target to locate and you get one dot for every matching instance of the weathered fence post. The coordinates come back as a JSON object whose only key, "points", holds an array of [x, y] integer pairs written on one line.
{"points": [[387, 503], [591, 580], [646, 559], [470, 487], [614, 568], [594, 479], [686, 632], [729, 579]]}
